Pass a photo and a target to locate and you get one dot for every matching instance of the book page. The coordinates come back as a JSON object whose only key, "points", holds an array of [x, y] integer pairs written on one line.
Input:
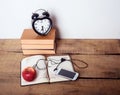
{"points": [[53, 62], [41, 74]]}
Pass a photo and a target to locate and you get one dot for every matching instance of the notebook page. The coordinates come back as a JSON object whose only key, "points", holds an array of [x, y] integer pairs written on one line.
{"points": [[51, 66], [41, 74]]}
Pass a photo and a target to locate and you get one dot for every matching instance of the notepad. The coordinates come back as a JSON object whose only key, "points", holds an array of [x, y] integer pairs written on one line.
{"points": [[46, 72]]}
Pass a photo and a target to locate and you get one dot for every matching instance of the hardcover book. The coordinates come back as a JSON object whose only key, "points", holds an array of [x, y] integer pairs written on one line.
{"points": [[32, 43], [30, 37], [38, 51], [47, 46], [46, 72]]}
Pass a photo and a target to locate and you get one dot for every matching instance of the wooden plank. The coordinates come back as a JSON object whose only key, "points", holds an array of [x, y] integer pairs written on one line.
{"points": [[79, 87], [78, 46], [12, 45], [101, 77], [70, 46], [99, 66]]}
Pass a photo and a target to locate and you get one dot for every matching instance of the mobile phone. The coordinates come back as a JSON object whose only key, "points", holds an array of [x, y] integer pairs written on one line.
{"points": [[67, 74]]}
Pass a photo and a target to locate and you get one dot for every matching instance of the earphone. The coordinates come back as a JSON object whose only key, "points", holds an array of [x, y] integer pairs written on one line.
{"points": [[36, 14]]}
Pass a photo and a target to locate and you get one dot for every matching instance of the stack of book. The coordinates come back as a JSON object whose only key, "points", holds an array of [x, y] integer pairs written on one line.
{"points": [[32, 43]]}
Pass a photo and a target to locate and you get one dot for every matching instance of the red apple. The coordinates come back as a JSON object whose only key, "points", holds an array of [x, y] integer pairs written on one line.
{"points": [[29, 74]]}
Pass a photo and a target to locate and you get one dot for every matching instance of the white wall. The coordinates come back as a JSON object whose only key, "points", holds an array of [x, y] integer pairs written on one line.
{"points": [[73, 18]]}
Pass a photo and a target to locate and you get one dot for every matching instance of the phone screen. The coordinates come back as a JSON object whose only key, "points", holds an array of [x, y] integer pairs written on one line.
{"points": [[66, 73]]}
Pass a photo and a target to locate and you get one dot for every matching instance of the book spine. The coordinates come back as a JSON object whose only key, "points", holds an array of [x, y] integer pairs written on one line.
{"points": [[32, 52], [38, 46], [38, 42]]}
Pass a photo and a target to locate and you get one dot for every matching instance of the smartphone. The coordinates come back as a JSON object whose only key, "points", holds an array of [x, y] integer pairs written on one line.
{"points": [[67, 74]]}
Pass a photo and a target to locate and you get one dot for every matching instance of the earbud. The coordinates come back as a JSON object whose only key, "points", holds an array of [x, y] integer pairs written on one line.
{"points": [[35, 16], [63, 59]]}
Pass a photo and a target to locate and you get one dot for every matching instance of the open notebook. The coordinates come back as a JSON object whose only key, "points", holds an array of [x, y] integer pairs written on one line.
{"points": [[46, 74]]}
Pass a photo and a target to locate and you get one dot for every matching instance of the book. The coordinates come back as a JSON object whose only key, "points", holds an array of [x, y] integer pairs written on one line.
{"points": [[38, 51], [46, 46], [46, 74], [30, 37]]}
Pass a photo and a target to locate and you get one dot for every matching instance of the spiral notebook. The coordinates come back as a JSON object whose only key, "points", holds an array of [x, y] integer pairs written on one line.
{"points": [[45, 73]]}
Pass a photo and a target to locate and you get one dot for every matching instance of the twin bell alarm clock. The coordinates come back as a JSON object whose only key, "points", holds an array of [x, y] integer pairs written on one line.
{"points": [[41, 22]]}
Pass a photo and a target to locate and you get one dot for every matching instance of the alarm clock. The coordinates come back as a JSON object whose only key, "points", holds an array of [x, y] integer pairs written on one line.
{"points": [[41, 22]]}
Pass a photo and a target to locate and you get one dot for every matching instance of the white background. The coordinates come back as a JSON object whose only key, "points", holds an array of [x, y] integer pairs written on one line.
{"points": [[83, 19]]}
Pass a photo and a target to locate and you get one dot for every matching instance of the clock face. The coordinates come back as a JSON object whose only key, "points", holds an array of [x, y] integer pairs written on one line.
{"points": [[42, 26]]}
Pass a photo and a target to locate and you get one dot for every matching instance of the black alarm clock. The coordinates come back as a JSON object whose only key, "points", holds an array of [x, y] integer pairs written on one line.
{"points": [[41, 22]]}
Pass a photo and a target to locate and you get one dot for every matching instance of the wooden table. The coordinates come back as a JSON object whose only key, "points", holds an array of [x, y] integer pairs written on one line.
{"points": [[101, 77]]}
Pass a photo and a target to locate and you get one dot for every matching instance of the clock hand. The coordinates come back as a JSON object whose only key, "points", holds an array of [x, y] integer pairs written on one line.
{"points": [[42, 28]]}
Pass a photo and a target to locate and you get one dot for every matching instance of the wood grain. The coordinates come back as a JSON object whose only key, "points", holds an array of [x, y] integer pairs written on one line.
{"points": [[99, 66], [79, 87], [101, 77], [70, 46], [77, 46]]}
